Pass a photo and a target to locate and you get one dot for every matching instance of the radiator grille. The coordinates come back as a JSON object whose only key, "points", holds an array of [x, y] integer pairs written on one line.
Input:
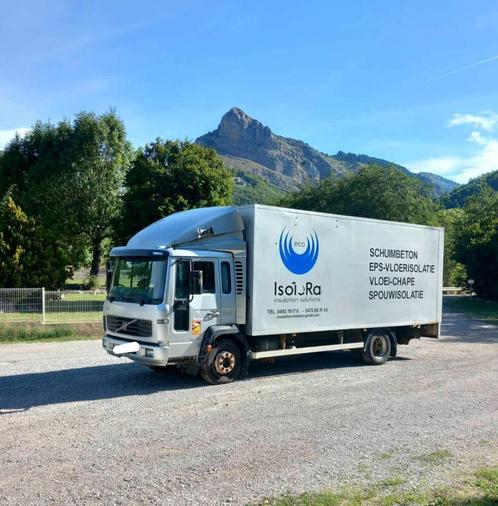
{"points": [[140, 328], [239, 277]]}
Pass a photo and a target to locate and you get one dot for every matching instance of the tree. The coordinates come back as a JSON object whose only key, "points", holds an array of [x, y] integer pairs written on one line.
{"points": [[14, 165], [454, 273], [373, 192], [171, 176], [70, 177], [28, 256], [477, 242]]}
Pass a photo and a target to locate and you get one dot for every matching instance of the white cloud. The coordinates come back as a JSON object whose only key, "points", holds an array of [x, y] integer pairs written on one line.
{"points": [[476, 137], [483, 161], [439, 165], [461, 169], [485, 120], [7, 135]]}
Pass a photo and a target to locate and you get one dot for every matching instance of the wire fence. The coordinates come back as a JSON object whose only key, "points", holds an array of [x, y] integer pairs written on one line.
{"points": [[37, 305]]}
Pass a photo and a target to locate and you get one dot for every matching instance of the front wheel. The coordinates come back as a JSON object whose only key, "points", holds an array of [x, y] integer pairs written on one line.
{"points": [[223, 363], [377, 348]]}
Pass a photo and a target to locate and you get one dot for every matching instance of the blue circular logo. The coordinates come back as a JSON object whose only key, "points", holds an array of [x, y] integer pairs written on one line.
{"points": [[298, 263]]}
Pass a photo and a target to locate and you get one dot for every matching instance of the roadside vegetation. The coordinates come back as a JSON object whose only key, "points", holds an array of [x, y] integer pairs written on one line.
{"points": [[11, 334], [478, 489]]}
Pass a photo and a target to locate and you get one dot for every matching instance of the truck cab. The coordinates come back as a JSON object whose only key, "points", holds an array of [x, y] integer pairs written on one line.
{"points": [[174, 288]]}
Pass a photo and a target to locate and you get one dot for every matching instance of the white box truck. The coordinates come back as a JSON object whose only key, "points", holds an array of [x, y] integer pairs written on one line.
{"points": [[212, 289]]}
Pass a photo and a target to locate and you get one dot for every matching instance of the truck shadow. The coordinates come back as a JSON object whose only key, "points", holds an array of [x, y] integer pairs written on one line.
{"points": [[24, 391]]}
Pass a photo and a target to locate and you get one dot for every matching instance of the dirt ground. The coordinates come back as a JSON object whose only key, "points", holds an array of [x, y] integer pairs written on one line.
{"points": [[77, 425]]}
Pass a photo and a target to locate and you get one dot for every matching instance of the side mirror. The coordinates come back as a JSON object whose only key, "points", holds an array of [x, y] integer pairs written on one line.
{"points": [[196, 282]]}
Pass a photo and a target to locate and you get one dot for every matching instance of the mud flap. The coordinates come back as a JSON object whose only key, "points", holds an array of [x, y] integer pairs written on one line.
{"points": [[430, 330]]}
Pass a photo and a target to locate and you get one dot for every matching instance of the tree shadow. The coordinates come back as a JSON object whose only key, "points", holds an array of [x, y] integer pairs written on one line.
{"points": [[458, 327]]}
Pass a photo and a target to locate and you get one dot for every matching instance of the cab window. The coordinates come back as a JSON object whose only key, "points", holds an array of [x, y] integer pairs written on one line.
{"points": [[226, 282], [208, 279], [182, 277], [182, 308]]}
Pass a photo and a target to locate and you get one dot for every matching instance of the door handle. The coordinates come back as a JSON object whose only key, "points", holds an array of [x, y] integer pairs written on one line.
{"points": [[213, 313]]}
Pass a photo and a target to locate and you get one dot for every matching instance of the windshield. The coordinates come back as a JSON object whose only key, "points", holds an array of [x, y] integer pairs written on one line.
{"points": [[139, 280]]}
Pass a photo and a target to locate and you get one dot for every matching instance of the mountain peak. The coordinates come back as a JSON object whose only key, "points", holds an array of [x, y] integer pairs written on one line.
{"points": [[238, 114], [237, 127]]}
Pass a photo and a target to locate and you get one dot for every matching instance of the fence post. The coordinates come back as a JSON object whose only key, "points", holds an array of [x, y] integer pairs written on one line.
{"points": [[43, 305]]}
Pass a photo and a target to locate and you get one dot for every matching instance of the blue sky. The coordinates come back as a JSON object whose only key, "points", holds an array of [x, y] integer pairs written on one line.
{"points": [[413, 82]]}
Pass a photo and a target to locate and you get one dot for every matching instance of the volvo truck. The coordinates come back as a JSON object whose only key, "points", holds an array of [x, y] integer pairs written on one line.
{"points": [[212, 289]]}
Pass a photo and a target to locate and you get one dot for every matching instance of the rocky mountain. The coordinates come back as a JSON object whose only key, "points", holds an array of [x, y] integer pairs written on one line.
{"points": [[248, 146]]}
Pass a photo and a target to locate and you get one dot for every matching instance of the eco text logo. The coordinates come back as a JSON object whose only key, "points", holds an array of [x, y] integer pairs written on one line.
{"points": [[298, 263]]}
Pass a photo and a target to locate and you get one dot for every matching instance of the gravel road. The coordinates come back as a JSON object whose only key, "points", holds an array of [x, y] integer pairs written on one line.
{"points": [[78, 426]]}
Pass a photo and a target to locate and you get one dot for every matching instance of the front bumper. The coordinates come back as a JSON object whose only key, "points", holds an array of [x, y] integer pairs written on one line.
{"points": [[148, 354]]}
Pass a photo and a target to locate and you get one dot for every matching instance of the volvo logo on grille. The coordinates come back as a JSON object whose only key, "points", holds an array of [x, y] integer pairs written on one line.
{"points": [[125, 326]]}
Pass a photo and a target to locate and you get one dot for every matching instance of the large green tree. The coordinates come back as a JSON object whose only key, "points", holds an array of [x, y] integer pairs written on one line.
{"points": [[373, 192], [454, 273], [70, 177], [477, 242], [171, 176], [28, 255]]}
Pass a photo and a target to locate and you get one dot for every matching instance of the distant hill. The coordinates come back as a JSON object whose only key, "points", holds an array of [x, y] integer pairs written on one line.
{"points": [[458, 196], [440, 184], [250, 188], [249, 147]]}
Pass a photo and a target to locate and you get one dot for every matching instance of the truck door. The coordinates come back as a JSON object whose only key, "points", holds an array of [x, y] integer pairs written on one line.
{"points": [[206, 306], [192, 316]]}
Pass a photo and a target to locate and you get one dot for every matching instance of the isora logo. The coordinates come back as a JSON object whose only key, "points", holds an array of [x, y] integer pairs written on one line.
{"points": [[298, 263]]}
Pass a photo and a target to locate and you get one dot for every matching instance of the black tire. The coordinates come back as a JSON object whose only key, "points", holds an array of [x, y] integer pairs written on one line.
{"points": [[223, 363], [377, 348]]}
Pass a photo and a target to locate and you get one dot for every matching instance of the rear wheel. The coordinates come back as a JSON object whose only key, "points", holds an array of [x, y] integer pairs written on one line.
{"points": [[223, 363], [377, 348]]}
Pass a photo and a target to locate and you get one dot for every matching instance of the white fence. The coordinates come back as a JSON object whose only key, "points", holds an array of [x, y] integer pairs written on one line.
{"points": [[37, 305]]}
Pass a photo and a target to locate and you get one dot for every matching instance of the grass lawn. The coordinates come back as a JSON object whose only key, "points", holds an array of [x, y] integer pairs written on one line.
{"points": [[480, 488], [10, 334], [80, 281], [479, 308]]}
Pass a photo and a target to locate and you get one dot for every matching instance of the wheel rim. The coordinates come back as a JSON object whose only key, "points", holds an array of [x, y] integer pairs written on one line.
{"points": [[224, 363], [379, 346]]}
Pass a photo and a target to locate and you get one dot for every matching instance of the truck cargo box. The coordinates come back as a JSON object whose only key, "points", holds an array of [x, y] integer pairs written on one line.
{"points": [[311, 271]]}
